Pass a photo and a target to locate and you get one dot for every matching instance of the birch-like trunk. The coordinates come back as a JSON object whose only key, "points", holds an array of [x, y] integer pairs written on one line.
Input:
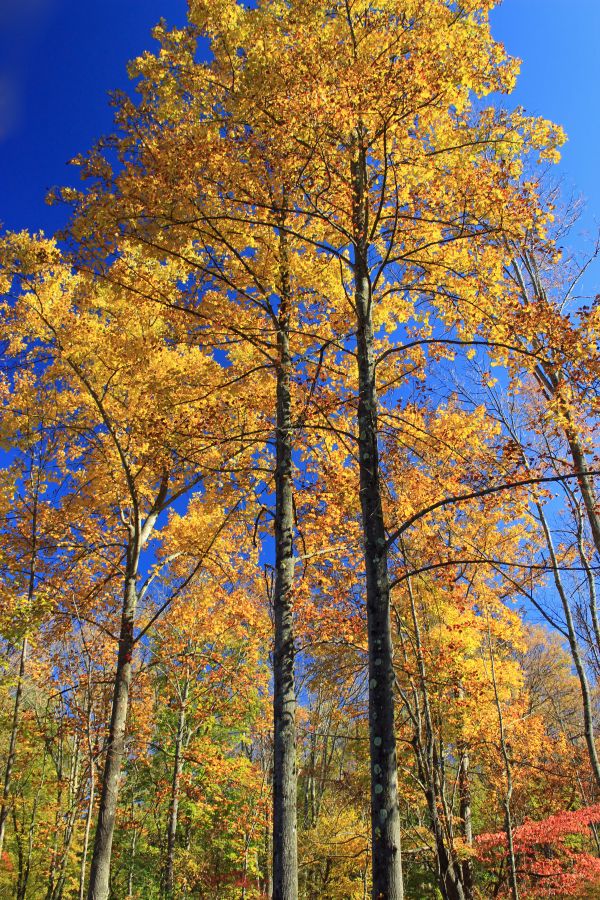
{"points": [[385, 817], [98, 888], [464, 791], [174, 807], [285, 851]]}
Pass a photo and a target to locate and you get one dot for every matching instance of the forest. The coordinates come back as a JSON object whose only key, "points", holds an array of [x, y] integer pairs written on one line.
{"points": [[299, 513]]}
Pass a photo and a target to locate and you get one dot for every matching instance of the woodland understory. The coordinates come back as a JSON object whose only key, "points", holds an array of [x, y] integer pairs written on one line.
{"points": [[299, 517]]}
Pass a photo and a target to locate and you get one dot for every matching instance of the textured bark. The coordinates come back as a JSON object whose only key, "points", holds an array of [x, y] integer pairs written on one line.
{"points": [[385, 818], [100, 869], [174, 807], [285, 851]]}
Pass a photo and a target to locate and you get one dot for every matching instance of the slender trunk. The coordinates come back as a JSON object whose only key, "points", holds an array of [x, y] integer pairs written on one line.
{"points": [[134, 840], [74, 815], [588, 716], [12, 746], [25, 870], [385, 816], [59, 761], [100, 869], [174, 808], [549, 376], [508, 828], [20, 855], [70, 820], [309, 784], [90, 808], [448, 873], [285, 850], [585, 482], [591, 584], [464, 790], [86, 834]]}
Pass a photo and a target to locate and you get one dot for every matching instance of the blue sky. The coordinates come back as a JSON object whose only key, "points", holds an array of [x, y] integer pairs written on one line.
{"points": [[59, 58]]}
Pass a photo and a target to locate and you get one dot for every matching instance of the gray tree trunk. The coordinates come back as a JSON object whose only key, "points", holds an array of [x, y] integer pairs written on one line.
{"points": [[464, 790], [385, 817], [174, 808], [98, 888], [285, 851]]}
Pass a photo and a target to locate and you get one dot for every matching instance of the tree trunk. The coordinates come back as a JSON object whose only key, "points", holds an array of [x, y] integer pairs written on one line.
{"points": [[25, 864], [100, 869], [174, 808], [464, 790], [58, 743], [285, 851], [508, 827], [12, 746], [88, 826], [586, 697], [57, 878], [428, 761], [385, 818], [131, 874]]}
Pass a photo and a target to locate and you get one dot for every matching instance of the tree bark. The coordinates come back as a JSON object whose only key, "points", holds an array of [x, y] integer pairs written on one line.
{"points": [[385, 817], [285, 851], [174, 808], [100, 869], [464, 790]]}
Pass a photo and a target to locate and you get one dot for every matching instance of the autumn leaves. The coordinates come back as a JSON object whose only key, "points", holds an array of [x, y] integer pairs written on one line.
{"points": [[248, 332]]}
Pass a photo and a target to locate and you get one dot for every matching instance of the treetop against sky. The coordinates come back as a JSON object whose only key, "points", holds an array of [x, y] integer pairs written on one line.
{"points": [[60, 58]]}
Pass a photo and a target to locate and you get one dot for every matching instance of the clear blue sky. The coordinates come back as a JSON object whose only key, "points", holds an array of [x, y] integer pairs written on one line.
{"points": [[59, 58]]}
